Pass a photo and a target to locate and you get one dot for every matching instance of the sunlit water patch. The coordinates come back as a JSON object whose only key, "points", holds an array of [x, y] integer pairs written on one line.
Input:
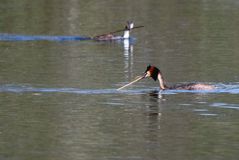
{"points": [[232, 88], [18, 37], [204, 112], [225, 105], [30, 89], [221, 88]]}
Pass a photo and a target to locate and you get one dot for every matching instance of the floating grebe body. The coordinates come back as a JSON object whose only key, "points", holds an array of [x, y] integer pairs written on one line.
{"points": [[156, 74], [193, 86], [107, 37]]}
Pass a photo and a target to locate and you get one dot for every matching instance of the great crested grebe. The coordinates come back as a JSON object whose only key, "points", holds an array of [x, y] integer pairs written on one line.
{"points": [[156, 74], [110, 36]]}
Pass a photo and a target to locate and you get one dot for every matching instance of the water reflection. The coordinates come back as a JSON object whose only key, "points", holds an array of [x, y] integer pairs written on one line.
{"points": [[153, 126], [128, 56], [153, 107], [157, 94]]}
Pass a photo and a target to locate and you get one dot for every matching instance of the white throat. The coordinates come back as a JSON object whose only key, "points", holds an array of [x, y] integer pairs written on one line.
{"points": [[126, 34], [161, 82]]}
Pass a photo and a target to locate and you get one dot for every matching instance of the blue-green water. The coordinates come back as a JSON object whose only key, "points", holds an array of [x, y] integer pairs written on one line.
{"points": [[58, 97]]}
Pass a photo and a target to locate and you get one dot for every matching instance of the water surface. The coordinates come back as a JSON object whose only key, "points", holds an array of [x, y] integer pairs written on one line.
{"points": [[58, 99]]}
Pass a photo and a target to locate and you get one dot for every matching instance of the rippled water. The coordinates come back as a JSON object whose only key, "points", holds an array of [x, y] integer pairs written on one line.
{"points": [[219, 89], [18, 37], [58, 97]]}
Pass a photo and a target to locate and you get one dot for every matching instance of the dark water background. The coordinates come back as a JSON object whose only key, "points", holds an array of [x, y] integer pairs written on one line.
{"points": [[58, 98]]}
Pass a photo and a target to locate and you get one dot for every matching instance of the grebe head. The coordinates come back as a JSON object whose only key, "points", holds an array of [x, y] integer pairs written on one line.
{"points": [[129, 25], [152, 72]]}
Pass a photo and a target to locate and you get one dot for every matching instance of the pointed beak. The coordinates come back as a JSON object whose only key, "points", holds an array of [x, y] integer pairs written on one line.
{"points": [[146, 74]]}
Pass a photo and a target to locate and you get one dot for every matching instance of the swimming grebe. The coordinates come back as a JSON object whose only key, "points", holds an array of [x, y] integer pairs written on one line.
{"points": [[156, 74], [106, 37]]}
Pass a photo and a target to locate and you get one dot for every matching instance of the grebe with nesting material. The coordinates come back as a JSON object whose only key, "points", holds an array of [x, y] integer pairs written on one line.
{"points": [[110, 36], [156, 74]]}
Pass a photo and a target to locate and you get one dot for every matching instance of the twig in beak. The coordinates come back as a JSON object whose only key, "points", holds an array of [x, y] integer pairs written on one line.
{"points": [[121, 30], [141, 77]]}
